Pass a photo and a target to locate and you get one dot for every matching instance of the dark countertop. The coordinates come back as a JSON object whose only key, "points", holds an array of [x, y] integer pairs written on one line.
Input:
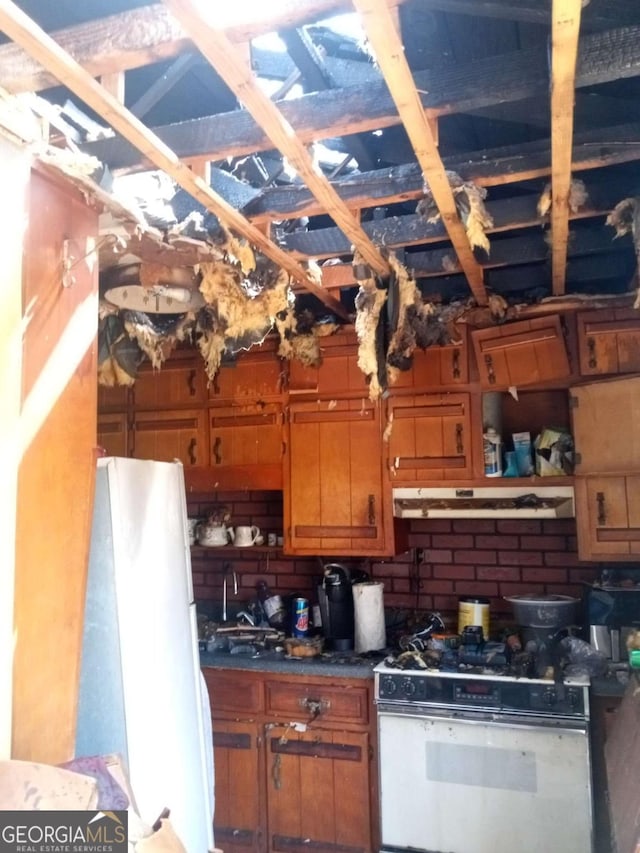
{"points": [[608, 685], [327, 665]]}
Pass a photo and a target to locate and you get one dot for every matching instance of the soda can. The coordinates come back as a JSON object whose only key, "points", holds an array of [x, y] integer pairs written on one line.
{"points": [[300, 627]]}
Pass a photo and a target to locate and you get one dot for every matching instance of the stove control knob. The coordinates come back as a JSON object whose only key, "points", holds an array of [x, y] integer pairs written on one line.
{"points": [[388, 686], [408, 687], [549, 698], [574, 699]]}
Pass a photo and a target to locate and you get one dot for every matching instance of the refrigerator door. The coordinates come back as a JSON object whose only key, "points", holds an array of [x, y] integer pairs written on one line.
{"points": [[157, 686]]}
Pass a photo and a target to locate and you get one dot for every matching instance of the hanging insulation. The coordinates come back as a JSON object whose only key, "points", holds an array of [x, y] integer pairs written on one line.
{"points": [[369, 302], [469, 199], [578, 197], [625, 218]]}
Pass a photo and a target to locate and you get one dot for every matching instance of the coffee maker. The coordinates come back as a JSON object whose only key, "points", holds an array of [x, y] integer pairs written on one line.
{"points": [[612, 612], [335, 598]]}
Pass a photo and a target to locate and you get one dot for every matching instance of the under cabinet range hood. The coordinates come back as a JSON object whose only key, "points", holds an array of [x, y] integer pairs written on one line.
{"points": [[485, 502]]}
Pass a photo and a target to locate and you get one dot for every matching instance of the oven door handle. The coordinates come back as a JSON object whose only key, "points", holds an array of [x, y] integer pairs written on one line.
{"points": [[492, 718]]}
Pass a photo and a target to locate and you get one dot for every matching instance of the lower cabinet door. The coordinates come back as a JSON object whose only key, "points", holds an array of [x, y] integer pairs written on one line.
{"points": [[236, 822], [608, 513], [317, 791]]}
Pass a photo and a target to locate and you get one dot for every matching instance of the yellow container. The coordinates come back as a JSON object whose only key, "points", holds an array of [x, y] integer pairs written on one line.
{"points": [[473, 611]]}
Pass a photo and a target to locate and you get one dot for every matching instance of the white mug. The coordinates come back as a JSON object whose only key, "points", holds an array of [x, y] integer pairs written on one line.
{"points": [[246, 535]]}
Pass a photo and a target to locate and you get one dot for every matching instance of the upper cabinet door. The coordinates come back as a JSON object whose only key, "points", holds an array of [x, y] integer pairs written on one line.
{"points": [[605, 418], [436, 367], [255, 377], [608, 512], [165, 436], [609, 342], [430, 439], [179, 382], [334, 503], [525, 353], [337, 374]]}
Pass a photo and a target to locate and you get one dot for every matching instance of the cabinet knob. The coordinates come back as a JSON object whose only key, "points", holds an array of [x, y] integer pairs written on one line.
{"points": [[591, 347], [191, 383], [602, 515], [371, 505], [459, 439], [217, 455], [191, 450]]}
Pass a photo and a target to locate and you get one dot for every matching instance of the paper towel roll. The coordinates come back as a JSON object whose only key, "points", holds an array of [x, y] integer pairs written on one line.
{"points": [[368, 610]]}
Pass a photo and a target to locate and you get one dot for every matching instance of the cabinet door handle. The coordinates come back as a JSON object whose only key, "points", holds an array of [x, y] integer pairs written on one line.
{"points": [[217, 445], [455, 359], [602, 515], [371, 507], [191, 383], [488, 360], [275, 771], [459, 439], [191, 450], [591, 347]]}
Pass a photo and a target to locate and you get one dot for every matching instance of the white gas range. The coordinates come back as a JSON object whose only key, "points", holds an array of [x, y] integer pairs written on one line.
{"points": [[477, 762]]}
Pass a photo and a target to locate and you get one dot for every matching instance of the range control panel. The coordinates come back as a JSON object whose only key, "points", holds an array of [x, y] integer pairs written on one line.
{"points": [[482, 692]]}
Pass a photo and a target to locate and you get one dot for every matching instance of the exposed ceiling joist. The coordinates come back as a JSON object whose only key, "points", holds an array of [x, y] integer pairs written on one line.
{"points": [[603, 57], [382, 33], [148, 34], [610, 13], [565, 28], [24, 31], [220, 52]]}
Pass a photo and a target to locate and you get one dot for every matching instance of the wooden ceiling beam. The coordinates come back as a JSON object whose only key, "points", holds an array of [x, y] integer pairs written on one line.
{"points": [[383, 36], [24, 31], [565, 29], [603, 57], [221, 53], [148, 34]]}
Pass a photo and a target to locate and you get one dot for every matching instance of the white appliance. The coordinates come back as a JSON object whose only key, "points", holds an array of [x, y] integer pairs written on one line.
{"points": [[142, 694], [483, 763]]}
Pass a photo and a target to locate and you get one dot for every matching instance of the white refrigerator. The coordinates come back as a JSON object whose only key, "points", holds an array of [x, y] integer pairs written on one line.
{"points": [[142, 694]]}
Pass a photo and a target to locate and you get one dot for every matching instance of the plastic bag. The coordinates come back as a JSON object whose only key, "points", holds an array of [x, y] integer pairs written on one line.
{"points": [[583, 658]]}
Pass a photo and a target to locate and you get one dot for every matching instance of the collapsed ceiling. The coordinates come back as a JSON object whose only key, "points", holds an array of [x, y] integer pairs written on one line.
{"points": [[472, 149]]}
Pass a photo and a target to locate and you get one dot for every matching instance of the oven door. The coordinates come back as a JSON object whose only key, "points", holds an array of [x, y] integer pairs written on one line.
{"points": [[477, 784]]}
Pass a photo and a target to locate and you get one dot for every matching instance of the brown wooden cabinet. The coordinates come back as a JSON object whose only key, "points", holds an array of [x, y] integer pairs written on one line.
{"points": [[605, 418], [256, 376], [181, 381], [436, 367], [430, 438], [168, 435], [247, 446], [338, 374], [237, 821], [605, 426], [608, 512], [113, 433], [286, 787], [334, 502], [524, 353], [609, 341]]}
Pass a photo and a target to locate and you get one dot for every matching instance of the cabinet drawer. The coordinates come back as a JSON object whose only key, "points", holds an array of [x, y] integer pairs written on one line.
{"points": [[231, 690], [337, 703]]}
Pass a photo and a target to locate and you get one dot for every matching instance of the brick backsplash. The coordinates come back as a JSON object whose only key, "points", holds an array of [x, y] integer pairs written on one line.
{"points": [[447, 559]]}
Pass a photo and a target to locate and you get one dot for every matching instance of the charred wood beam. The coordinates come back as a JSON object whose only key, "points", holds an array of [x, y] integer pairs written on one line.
{"points": [[487, 168], [163, 84], [536, 278], [277, 65], [140, 37], [317, 78], [603, 57], [520, 251], [508, 214], [608, 14]]}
